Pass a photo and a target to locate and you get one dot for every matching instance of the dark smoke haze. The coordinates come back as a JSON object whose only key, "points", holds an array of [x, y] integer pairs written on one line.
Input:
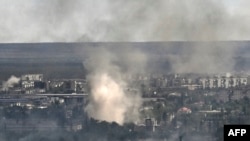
{"points": [[118, 20]]}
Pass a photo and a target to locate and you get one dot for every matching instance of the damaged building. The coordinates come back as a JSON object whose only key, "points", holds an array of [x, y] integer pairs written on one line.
{"points": [[33, 83]]}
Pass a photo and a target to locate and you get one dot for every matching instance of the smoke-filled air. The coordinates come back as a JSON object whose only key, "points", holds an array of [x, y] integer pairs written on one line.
{"points": [[111, 67], [126, 21], [119, 20], [10, 82], [110, 98]]}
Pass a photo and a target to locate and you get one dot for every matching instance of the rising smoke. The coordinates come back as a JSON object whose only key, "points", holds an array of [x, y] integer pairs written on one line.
{"points": [[154, 21], [116, 20], [110, 99], [10, 82]]}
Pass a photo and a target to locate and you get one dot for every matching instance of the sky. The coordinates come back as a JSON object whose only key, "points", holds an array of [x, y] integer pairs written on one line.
{"points": [[118, 20]]}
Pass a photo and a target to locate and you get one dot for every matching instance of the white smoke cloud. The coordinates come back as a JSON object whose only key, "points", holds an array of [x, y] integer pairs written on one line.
{"points": [[110, 99], [118, 20], [10, 82]]}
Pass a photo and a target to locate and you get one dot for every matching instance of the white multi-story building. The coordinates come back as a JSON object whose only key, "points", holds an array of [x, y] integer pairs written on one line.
{"points": [[224, 82]]}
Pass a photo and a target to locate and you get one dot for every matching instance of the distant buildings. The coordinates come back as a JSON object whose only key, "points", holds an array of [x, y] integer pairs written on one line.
{"points": [[150, 84], [224, 82], [33, 83], [67, 85]]}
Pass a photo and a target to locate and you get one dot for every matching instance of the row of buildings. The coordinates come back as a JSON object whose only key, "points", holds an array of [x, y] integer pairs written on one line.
{"points": [[199, 81], [224, 82], [35, 83]]}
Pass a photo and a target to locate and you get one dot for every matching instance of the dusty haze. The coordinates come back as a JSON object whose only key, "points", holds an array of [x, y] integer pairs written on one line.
{"points": [[110, 99], [118, 20]]}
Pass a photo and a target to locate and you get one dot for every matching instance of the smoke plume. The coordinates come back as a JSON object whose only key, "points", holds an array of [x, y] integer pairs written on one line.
{"points": [[110, 99], [10, 82]]}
